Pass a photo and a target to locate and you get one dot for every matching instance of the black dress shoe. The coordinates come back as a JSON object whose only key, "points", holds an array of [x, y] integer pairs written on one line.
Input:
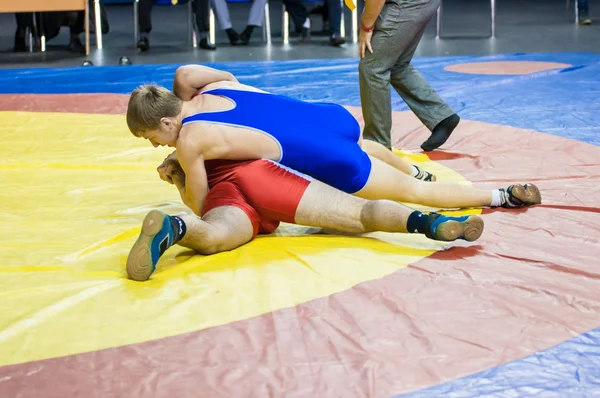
{"points": [[441, 133], [143, 44], [75, 45], [245, 36], [234, 37], [206, 45], [336, 41], [305, 33]]}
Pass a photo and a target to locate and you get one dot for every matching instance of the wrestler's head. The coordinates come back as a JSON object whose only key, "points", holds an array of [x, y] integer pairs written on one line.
{"points": [[153, 113]]}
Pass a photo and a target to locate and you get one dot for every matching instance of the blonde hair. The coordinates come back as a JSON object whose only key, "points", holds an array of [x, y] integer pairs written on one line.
{"points": [[147, 105]]}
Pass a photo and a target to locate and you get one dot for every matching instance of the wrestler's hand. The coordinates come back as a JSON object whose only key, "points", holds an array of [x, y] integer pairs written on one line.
{"points": [[172, 158], [164, 174], [169, 171], [365, 43], [163, 171]]}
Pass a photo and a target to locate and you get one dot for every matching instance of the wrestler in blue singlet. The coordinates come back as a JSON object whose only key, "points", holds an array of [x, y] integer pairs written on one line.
{"points": [[317, 139]]}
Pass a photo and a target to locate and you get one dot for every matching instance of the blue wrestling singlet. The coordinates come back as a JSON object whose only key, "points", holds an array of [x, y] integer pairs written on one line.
{"points": [[317, 139]]}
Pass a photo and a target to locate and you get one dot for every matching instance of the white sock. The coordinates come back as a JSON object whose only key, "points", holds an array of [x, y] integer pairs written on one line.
{"points": [[415, 171], [496, 198], [306, 23]]}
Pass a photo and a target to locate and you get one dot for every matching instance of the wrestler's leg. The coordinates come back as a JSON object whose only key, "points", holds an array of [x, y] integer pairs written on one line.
{"points": [[376, 150], [220, 229], [326, 207], [385, 182]]}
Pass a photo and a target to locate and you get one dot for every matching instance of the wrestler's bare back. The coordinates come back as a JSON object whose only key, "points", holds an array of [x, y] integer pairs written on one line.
{"points": [[215, 141]]}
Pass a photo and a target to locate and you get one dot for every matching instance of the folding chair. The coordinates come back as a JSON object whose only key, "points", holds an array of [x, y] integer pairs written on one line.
{"points": [[55, 5], [286, 23], [266, 27], [191, 30], [576, 10]]}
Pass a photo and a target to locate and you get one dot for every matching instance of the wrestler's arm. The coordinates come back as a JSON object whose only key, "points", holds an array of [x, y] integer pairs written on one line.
{"points": [[189, 79], [178, 178], [194, 188], [371, 12]]}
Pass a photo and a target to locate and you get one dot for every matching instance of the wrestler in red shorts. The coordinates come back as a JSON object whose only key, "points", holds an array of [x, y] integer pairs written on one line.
{"points": [[247, 198]]}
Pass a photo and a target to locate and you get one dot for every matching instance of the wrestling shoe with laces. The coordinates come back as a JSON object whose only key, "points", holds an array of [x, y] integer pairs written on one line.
{"points": [[159, 232], [445, 228], [518, 195], [424, 175]]}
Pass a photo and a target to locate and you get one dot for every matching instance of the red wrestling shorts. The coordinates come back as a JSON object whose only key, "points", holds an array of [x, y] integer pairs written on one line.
{"points": [[266, 191]]}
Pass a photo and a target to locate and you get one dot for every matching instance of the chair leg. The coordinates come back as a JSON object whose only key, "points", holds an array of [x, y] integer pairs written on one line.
{"points": [[343, 22], [438, 22], [267, 25], [98, 21], [493, 17], [87, 28], [211, 26], [285, 26], [355, 25], [42, 35], [29, 35], [135, 22], [38, 30], [191, 28]]}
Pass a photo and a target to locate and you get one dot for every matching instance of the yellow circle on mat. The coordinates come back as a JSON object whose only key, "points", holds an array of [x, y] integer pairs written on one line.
{"points": [[74, 190]]}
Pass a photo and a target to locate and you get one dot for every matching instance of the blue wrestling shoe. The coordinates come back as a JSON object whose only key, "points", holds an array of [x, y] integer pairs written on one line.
{"points": [[156, 237], [447, 228]]}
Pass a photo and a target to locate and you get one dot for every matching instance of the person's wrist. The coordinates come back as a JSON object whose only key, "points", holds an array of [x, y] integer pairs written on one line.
{"points": [[366, 28]]}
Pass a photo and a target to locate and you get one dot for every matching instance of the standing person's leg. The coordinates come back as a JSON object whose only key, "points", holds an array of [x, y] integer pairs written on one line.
{"points": [[426, 104], [144, 23], [335, 22], [396, 36], [299, 15], [202, 11], [24, 21], [76, 28], [374, 69], [255, 20], [584, 12], [222, 10]]}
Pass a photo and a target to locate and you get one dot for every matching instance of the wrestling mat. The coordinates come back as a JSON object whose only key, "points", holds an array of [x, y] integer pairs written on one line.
{"points": [[300, 313]]}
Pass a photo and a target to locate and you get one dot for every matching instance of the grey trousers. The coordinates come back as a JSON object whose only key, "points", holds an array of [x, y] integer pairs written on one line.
{"points": [[397, 33], [256, 17]]}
